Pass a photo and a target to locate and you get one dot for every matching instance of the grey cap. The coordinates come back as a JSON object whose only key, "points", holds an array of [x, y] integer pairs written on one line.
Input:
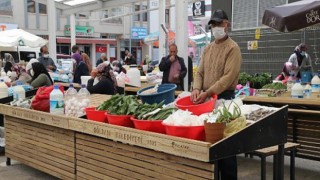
{"points": [[217, 16]]}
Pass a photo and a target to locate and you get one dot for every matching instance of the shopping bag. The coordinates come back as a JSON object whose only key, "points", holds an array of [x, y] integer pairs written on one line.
{"points": [[41, 101]]}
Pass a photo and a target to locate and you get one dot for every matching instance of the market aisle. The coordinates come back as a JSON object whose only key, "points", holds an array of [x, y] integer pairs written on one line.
{"points": [[249, 169]]}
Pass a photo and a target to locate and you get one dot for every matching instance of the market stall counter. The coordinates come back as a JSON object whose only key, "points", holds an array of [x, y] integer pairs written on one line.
{"points": [[303, 121], [76, 148]]}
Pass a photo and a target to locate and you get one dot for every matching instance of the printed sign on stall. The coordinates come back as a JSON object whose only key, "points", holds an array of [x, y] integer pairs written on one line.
{"points": [[138, 33], [252, 45]]}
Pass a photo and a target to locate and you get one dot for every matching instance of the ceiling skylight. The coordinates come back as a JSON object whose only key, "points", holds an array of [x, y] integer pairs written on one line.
{"points": [[77, 2]]}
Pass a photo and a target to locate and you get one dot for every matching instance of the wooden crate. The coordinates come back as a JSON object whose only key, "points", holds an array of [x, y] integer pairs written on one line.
{"points": [[46, 148], [100, 158]]}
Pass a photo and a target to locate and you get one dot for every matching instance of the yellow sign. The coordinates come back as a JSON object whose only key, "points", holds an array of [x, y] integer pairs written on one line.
{"points": [[252, 45], [257, 34]]}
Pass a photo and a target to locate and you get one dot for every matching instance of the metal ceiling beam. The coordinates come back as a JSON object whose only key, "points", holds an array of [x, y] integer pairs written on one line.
{"points": [[58, 5]]}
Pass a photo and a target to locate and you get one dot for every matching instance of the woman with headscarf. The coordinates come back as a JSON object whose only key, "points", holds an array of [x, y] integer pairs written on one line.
{"points": [[300, 60], [285, 74], [87, 60], [41, 76], [81, 68], [107, 81], [9, 62], [117, 67]]}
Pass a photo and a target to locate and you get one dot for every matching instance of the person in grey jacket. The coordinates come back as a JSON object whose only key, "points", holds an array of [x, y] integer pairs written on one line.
{"points": [[300, 60], [46, 60]]}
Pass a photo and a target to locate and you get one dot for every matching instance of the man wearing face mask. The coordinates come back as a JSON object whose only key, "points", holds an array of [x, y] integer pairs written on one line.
{"points": [[300, 60], [46, 60], [218, 73]]}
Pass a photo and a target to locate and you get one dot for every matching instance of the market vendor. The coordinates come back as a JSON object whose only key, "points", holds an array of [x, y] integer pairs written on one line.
{"points": [[300, 60], [173, 67], [285, 74], [218, 73], [107, 81]]}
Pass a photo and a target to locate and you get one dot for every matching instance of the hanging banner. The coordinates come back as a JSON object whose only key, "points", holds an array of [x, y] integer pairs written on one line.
{"points": [[81, 31], [138, 32], [101, 49], [198, 9]]}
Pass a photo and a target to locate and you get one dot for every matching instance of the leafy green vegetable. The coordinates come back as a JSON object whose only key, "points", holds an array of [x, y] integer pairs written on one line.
{"points": [[226, 116], [120, 105], [276, 86]]}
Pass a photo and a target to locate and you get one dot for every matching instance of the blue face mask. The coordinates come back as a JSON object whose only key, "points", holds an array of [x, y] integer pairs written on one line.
{"points": [[303, 53]]}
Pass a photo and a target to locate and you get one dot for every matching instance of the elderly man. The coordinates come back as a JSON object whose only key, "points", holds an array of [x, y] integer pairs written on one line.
{"points": [[102, 58]]}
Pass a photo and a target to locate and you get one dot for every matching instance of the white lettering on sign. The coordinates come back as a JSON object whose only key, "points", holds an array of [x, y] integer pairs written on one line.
{"points": [[312, 16]]}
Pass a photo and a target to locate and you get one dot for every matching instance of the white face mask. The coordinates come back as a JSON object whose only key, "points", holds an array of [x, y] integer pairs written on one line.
{"points": [[46, 55], [218, 32]]}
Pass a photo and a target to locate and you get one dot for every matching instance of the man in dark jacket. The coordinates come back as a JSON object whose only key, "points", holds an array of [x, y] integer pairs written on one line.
{"points": [[102, 58], [46, 60], [173, 67]]}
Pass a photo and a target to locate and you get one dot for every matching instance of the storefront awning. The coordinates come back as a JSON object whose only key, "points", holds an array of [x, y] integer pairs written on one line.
{"points": [[66, 40]]}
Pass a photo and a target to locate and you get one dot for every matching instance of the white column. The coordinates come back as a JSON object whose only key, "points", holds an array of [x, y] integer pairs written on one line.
{"points": [[108, 51], [182, 33], [73, 29], [162, 35], [52, 29], [93, 54]]}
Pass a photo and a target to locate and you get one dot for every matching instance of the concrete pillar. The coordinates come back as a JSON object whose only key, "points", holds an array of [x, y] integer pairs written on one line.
{"points": [[73, 29], [93, 54], [182, 36], [52, 29], [162, 35]]}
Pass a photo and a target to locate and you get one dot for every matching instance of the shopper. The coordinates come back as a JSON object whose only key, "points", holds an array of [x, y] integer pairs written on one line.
{"points": [[46, 60], [41, 76], [300, 60], [9, 62], [81, 69], [285, 74], [173, 67], [87, 60], [129, 60], [117, 67], [102, 58], [218, 73], [107, 81]]}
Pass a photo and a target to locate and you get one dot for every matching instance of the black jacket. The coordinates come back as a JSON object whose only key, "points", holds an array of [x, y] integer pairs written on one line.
{"points": [[81, 70], [165, 65], [104, 86]]}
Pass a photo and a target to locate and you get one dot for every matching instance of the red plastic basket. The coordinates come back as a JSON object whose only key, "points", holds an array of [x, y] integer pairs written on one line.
{"points": [[149, 125], [190, 132], [120, 120], [185, 103], [95, 115]]}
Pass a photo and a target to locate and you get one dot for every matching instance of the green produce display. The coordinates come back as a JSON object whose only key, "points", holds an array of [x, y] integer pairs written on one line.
{"points": [[153, 112], [257, 81], [276, 86], [120, 105]]}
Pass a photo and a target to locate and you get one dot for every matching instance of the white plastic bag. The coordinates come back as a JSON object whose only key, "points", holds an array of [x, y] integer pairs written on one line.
{"points": [[122, 79]]}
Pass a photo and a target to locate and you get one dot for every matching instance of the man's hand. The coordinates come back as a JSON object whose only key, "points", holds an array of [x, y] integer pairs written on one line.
{"points": [[201, 98], [172, 58], [194, 95], [50, 67], [94, 73]]}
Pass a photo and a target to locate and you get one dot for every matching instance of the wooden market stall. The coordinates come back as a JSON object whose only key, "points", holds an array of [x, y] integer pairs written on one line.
{"points": [[303, 121], [75, 148]]}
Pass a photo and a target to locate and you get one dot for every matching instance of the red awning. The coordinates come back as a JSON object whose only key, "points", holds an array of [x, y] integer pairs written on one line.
{"points": [[66, 40]]}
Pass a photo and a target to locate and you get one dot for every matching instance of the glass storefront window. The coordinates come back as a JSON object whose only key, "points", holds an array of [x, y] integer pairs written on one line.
{"points": [[5, 7]]}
